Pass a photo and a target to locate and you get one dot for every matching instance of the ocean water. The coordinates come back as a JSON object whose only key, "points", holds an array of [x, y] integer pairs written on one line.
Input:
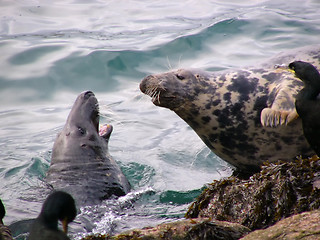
{"points": [[50, 51]]}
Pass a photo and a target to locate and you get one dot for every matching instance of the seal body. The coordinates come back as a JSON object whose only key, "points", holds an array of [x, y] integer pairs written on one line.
{"points": [[81, 164], [246, 116]]}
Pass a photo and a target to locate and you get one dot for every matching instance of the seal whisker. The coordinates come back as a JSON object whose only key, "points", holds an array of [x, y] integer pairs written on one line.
{"points": [[152, 93], [158, 97], [151, 90], [224, 109], [155, 95], [148, 90], [160, 82]]}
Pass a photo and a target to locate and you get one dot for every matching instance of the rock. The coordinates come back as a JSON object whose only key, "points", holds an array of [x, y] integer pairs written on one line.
{"points": [[278, 191], [96, 237], [301, 226], [230, 208], [187, 229]]}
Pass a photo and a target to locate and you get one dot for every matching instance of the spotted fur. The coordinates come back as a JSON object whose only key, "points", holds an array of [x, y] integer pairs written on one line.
{"points": [[246, 116]]}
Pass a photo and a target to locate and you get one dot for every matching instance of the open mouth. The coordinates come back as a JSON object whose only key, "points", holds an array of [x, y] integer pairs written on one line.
{"points": [[105, 130]]}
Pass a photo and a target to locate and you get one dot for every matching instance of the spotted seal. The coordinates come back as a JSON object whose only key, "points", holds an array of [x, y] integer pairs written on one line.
{"points": [[81, 164], [245, 116]]}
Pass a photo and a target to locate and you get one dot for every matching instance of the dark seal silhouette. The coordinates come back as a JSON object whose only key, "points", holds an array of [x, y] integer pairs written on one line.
{"points": [[59, 206], [81, 164], [307, 104], [5, 233]]}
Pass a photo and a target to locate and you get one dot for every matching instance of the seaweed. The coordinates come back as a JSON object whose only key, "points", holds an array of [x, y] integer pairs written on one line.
{"points": [[278, 191]]}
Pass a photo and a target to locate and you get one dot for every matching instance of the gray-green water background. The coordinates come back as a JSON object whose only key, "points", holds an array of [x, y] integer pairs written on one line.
{"points": [[50, 51]]}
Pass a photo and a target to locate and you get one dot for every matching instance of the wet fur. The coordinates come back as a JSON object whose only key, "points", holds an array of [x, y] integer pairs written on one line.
{"points": [[224, 109], [81, 164]]}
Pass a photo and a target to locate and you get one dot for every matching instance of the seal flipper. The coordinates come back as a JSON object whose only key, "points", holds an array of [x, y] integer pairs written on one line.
{"points": [[282, 110], [274, 118]]}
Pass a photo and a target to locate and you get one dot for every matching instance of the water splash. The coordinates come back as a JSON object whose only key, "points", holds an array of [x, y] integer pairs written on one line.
{"points": [[103, 218]]}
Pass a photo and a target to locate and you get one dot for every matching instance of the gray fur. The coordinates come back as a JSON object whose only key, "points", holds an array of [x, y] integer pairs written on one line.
{"points": [[81, 164], [246, 116]]}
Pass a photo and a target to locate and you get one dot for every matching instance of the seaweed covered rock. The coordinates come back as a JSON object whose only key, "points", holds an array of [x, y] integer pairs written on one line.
{"points": [[97, 237], [184, 230], [278, 191], [301, 226]]}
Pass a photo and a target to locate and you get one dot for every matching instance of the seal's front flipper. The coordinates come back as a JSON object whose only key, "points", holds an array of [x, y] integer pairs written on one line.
{"points": [[281, 108], [274, 118]]}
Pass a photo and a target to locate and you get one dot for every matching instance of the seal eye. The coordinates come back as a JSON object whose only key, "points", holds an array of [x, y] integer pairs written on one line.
{"points": [[81, 130], [180, 76]]}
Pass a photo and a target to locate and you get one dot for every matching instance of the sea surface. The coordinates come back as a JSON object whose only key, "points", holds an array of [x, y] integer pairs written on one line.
{"points": [[50, 51]]}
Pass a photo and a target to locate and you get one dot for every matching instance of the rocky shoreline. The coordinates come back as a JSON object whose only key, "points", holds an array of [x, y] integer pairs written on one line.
{"points": [[280, 202]]}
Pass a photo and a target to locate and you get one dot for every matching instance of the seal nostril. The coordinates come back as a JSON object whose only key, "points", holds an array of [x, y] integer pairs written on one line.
{"points": [[88, 94]]}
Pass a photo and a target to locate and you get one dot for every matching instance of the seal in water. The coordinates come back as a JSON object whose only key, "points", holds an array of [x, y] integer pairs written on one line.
{"points": [[246, 117], [307, 104], [81, 164]]}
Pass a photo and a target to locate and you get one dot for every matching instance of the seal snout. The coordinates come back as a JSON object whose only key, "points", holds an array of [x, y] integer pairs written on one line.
{"points": [[145, 83], [88, 94], [163, 89], [151, 85]]}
